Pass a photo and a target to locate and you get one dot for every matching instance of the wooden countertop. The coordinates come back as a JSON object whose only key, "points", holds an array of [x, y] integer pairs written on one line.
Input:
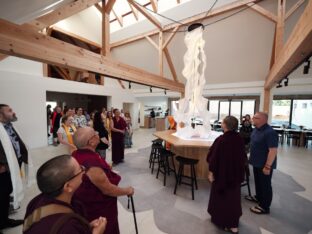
{"points": [[178, 142]]}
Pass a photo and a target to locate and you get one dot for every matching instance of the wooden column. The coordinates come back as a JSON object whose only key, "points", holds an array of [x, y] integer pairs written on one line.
{"points": [[105, 51], [161, 54], [266, 100], [279, 30]]}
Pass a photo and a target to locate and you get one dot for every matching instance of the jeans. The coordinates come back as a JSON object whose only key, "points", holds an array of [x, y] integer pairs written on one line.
{"points": [[264, 192]]}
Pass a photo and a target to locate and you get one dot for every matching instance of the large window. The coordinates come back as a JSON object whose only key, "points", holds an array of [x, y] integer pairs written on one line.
{"points": [[224, 109], [236, 107], [281, 112], [302, 114], [213, 109], [248, 107]]}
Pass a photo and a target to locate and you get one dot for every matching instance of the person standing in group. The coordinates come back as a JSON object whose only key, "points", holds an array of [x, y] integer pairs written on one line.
{"points": [[13, 153], [65, 133], [99, 189], [118, 128], [49, 114], [226, 160], [80, 119], [58, 179], [263, 153], [245, 131], [55, 123], [129, 131], [99, 127]]}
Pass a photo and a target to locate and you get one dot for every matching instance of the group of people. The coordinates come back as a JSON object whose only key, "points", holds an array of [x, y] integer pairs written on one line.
{"points": [[78, 191], [114, 127], [227, 160]]}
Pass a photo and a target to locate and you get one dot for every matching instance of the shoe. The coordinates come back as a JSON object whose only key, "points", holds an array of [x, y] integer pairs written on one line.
{"points": [[259, 210], [12, 223], [230, 230], [251, 198]]}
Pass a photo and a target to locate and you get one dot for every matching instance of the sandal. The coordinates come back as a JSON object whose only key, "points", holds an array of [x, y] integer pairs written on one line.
{"points": [[230, 230], [259, 210], [251, 198]]}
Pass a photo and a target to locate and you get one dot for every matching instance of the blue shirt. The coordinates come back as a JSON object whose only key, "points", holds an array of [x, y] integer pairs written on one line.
{"points": [[261, 140]]}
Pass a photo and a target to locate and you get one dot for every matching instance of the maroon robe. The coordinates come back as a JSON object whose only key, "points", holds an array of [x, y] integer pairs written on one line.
{"points": [[226, 160], [95, 203], [118, 145], [45, 224]]}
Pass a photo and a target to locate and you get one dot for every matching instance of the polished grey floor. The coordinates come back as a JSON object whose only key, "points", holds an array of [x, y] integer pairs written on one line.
{"points": [[160, 211]]}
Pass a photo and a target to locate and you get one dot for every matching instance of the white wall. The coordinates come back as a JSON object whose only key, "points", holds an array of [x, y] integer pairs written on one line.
{"points": [[26, 94]]}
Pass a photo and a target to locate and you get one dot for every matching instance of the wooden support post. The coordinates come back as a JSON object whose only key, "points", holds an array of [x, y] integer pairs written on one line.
{"points": [[266, 100], [161, 56], [279, 35], [105, 51]]}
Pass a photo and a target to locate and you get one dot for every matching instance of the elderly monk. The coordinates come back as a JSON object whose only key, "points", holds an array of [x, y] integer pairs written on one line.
{"points": [[51, 211], [226, 160], [99, 189]]}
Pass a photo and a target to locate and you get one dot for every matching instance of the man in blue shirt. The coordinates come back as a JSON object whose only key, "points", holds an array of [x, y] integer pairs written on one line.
{"points": [[263, 151]]}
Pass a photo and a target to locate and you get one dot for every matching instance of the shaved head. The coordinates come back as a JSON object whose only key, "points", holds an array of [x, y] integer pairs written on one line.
{"points": [[259, 119], [263, 114], [82, 136]]}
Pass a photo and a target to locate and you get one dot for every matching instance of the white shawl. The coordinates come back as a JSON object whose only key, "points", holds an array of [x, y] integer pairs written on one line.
{"points": [[16, 173]]}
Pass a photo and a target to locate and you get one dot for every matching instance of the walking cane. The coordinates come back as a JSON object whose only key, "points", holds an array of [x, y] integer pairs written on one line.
{"points": [[130, 198]]}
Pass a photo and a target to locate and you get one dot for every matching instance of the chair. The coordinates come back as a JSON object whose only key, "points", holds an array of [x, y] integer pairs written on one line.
{"points": [[307, 138], [186, 161], [163, 164], [294, 136], [280, 133], [154, 155]]}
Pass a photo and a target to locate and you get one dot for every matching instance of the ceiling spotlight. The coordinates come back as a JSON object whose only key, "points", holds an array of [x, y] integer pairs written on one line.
{"points": [[165, 91], [151, 90], [279, 85], [129, 85], [286, 81], [306, 67]]}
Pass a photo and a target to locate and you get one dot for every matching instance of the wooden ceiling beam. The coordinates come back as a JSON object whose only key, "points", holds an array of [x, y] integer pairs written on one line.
{"points": [[153, 43], [119, 18], [109, 6], [171, 35], [297, 47], [134, 12], [98, 7], [16, 41], [294, 8], [220, 10], [144, 12], [267, 14], [61, 13], [154, 5]]}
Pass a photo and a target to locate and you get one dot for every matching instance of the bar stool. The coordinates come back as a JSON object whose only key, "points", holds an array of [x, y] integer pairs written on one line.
{"points": [[154, 156], [186, 161], [163, 164]]}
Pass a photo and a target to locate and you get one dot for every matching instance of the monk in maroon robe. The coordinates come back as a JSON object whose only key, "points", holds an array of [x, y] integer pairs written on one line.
{"points": [[226, 160], [99, 189], [118, 128], [51, 211]]}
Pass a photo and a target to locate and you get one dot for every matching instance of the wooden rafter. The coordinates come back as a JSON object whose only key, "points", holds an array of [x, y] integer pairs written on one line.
{"points": [[98, 7], [279, 34], [105, 50], [294, 8], [171, 35], [267, 14], [134, 12], [220, 10], [109, 6], [119, 18], [16, 41], [61, 13], [170, 64], [152, 42], [295, 49], [161, 53], [144, 12], [63, 73], [154, 5]]}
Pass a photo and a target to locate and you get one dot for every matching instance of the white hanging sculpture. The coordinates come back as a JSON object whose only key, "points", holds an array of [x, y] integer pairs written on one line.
{"points": [[194, 106]]}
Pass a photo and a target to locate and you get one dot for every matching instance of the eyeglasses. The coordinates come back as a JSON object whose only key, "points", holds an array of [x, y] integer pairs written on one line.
{"points": [[82, 170]]}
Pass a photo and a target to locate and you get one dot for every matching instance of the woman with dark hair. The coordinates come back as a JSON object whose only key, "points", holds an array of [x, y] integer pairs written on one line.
{"points": [[226, 160], [245, 131], [118, 128], [98, 126]]}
